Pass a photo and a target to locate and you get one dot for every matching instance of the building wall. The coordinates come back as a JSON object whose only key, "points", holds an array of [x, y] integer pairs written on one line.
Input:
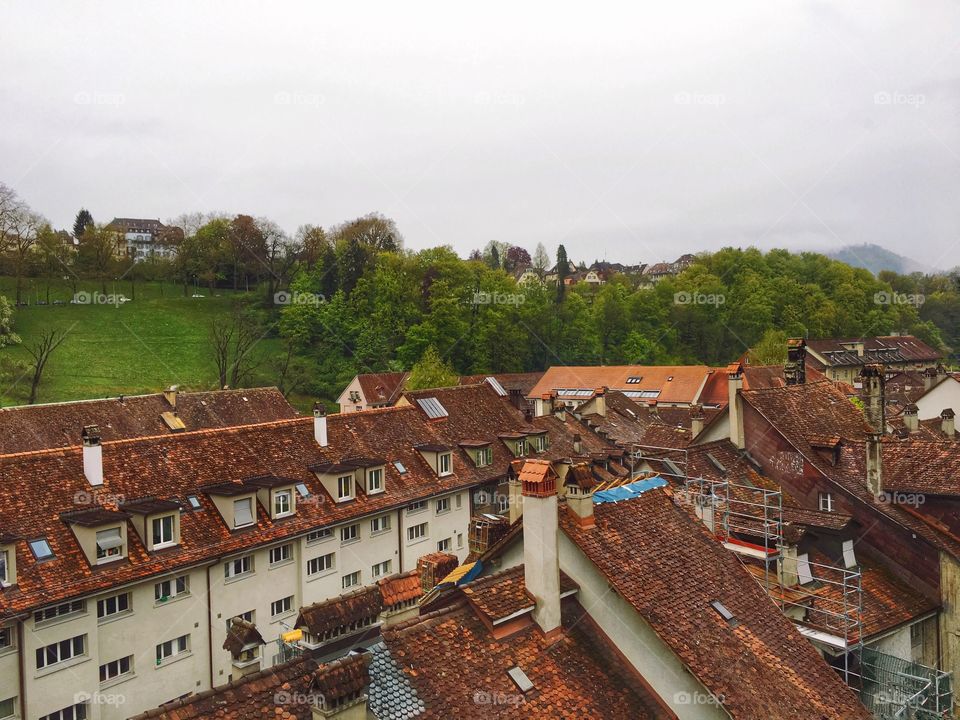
{"points": [[649, 655], [346, 406], [950, 614], [946, 394]]}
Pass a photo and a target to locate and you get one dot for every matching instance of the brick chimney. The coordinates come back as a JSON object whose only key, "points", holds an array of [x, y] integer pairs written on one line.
{"points": [[872, 377], [911, 421], [541, 559], [735, 404], [696, 421], [320, 424], [795, 369], [92, 454], [875, 464], [947, 422]]}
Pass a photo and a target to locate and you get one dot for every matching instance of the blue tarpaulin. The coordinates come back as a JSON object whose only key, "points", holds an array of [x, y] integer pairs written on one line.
{"points": [[625, 492]]}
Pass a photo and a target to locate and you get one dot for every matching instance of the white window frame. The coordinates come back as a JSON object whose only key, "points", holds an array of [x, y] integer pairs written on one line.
{"points": [[238, 567], [103, 612], [58, 612], [483, 456], [178, 646], [374, 473], [177, 586], [253, 512], [379, 524], [4, 567], [352, 530], [825, 501], [381, 569], [65, 650], [277, 496], [173, 531], [319, 536], [114, 669], [111, 554], [341, 496], [444, 545], [416, 533], [350, 580], [521, 445], [442, 505], [78, 712], [444, 464], [13, 708], [321, 564], [284, 551], [283, 606]]}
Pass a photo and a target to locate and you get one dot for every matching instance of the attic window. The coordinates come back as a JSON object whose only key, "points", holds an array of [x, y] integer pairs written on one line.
{"points": [[194, 502], [432, 407], [634, 379], [41, 549], [401, 468], [723, 612], [303, 490], [520, 679]]}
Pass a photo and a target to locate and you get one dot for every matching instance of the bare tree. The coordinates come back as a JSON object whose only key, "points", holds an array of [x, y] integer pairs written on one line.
{"points": [[22, 233], [41, 350], [232, 342], [221, 339]]}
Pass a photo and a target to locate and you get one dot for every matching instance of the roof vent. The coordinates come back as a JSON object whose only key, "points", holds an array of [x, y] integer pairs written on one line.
{"points": [[520, 679], [723, 612]]}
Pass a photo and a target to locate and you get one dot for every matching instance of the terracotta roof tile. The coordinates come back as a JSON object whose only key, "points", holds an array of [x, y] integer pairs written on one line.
{"points": [[675, 383], [400, 588], [330, 615]]}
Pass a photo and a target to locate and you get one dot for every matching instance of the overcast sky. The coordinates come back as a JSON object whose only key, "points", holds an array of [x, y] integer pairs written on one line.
{"points": [[634, 131]]}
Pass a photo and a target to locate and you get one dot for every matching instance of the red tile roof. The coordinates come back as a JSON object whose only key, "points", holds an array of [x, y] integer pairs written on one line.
{"points": [[400, 588], [676, 383], [340, 612], [502, 594], [41, 427], [382, 388], [665, 564]]}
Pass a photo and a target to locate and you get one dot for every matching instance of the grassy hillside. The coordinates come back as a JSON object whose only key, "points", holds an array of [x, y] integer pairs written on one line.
{"points": [[158, 339]]}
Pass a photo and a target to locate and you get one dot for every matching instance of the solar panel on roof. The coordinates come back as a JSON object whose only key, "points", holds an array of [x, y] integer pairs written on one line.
{"points": [[432, 407]]}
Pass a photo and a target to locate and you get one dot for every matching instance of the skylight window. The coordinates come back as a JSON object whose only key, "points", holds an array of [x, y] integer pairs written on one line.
{"points": [[716, 463], [521, 680], [401, 468], [723, 612], [41, 549], [432, 407], [303, 490], [194, 502], [634, 379]]}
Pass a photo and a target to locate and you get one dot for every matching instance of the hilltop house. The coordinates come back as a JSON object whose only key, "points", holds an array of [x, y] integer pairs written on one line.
{"points": [[140, 238]]}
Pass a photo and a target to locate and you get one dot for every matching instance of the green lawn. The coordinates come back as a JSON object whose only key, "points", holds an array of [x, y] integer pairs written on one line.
{"points": [[158, 339]]}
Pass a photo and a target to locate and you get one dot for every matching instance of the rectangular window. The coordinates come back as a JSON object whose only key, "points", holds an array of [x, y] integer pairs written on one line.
{"points": [[60, 651], [109, 545], [113, 605], [162, 531], [443, 505], [8, 707], [282, 606], [243, 512], [351, 580], [349, 533], [41, 549], [826, 502], [379, 524], [57, 611], [281, 554], [540, 443], [238, 566], [444, 545], [381, 569], [6, 637], [248, 616], [375, 480], [416, 506], [4, 564], [116, 668], [459, 500], [282, 503], [344, 488], [417, 532], [172, 648], [459, 540], [319, 535], [483, 456], [168, 589], [320, 564], [444, 461], [74, 712]]}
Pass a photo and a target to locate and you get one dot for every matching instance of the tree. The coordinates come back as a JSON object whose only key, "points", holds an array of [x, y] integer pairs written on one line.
{"points": [[771, 350], [7, 335], [430, 371], [84, 218], [541, 261], [516, 257], [96, 253], [22, 237], [41, 350], [563, 269], [54, 250], [280, 257], [232, 342], [374, 232]]}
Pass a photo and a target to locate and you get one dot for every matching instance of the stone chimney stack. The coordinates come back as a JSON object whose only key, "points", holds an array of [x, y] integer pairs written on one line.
{"points": [[875, 464], [579, 484], [170, 395], [92, 454], [911, 420], [600, 402], [929, 378], [577, 444], [696, 421], [543, 405], [320, 424], [735, 405], [947, 425], [541, 559], [873, 379], [795, 370]]}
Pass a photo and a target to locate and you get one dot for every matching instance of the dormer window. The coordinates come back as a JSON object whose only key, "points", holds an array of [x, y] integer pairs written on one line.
{"points": [[8, 563], [162, 531], [344, 488], [157, 521], [109, 545], [521, 447], [282, 503], [374, 480], [243, 512], [4, 567], [540, 442], [483, 456], [444, 464]]}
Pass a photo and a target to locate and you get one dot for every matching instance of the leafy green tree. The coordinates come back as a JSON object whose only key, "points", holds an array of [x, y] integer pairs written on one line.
{"points": [[431, 372], [562, 272]]}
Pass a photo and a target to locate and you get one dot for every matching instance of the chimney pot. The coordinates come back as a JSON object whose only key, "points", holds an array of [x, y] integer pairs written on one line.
{"points": [[910, 419], [947, 422]]}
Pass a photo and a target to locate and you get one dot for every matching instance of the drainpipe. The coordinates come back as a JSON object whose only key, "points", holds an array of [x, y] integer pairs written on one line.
{"points": [[400, 539], [22, 662], [209, 628]]}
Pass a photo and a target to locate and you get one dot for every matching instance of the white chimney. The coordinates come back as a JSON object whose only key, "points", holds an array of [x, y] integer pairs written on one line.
{"points": [[92, 455], [541, 560], [734, 406], [875, 464], [947, 421], [320, 424], [910, 419], [600, 402]]}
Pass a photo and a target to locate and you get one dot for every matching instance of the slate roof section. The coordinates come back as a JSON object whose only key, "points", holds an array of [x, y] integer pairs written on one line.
{"points": [[883, 349], [762, 667], [459, 671], [392, 696], [41, 427]]}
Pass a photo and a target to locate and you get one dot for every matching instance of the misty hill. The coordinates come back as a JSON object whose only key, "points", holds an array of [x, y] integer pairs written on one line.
{"points": [[875, 258]]}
